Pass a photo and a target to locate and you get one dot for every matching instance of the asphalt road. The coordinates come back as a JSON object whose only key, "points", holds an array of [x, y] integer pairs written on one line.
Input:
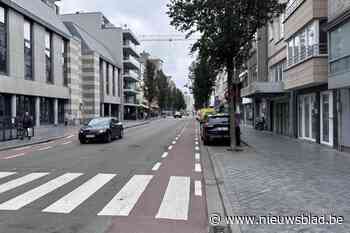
{"points": [[148, 182]]}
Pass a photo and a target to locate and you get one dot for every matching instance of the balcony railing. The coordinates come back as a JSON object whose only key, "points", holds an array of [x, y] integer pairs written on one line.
{"points": [[132, 60], [292, 6], [307, 52], [132, 74], [132, 46]]}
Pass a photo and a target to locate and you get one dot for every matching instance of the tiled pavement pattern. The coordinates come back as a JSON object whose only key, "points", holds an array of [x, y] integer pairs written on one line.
{"points": [[286, 177]]}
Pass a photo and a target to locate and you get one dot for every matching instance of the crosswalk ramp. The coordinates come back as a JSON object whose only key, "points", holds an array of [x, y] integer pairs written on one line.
{"points": [[175, 203]]}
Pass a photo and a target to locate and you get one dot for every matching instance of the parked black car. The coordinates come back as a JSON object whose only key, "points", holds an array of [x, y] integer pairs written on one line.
{"points": [[101, 129], [215, 127]]}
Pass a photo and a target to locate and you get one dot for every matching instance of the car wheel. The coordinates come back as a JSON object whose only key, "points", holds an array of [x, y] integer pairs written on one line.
{"points": [[82, 141], [108, 137]]}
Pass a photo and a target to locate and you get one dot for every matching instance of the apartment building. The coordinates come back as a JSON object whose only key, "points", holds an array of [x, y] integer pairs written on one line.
{"points": [[339, 65], [131, 74], [39, 63], [220, 91], [102, 63], [312, 110]]}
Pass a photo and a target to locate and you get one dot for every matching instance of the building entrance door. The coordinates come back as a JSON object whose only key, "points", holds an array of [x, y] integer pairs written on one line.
{"points": [[327, 118], [306, 120]]}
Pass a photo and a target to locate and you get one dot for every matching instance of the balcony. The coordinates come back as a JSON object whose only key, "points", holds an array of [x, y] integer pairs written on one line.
{"points": [[292, 6], [262, 88], [131, 75], [131, 89], [308, 52], [130, 63], [131, 101], [130, 48]]}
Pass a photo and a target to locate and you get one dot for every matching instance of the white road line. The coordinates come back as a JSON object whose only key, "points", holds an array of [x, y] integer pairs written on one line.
{"points": [[156, 166], [175, 203], [127, 197], [34, 194], [21, 181], [170, 147], [70, 136], [66, 143], [198, 188], [197, 156], [165, 154], [174, 142], [197, 143], [197, 167], [6, 174], [72, 200], [197, 148], [176, 138], [44, 148], [22, 148], [14, 156]]}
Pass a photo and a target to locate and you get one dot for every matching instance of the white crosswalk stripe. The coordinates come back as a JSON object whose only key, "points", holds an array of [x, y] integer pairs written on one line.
{"points": [[175, 203], [21, 181], [6, 174], [127, 197], [34, 194], [72, 200]]}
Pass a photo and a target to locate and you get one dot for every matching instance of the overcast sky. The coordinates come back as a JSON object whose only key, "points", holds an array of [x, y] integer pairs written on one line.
{"points": [[144, 17]]}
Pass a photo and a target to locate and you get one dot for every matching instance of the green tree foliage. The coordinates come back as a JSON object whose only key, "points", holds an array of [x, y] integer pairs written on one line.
{"points": [[163, 91], [150, 83], [226, 27]]}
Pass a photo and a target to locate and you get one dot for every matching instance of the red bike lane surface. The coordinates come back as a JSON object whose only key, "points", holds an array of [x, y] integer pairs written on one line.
{"points": [[169, 203]]}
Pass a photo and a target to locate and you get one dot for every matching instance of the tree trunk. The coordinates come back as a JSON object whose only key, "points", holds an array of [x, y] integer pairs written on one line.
{"points": [[231, 103]]}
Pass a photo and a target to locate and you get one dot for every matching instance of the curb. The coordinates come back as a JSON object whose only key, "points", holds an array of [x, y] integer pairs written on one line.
{"points": [[217, 201], [57, 138]]}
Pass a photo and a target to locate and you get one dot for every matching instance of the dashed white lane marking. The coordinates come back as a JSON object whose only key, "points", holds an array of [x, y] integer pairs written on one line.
{"points": [[44, 148], [156, 166], [70, 136], [127, 197], [14, 156], [165, 154], [6, 174], [198, 188], [66, 143], [197, 143], [21, 181], [34, 194], [175, 203], [170, 147], [72, 200], [196, 148], [176, 138], [197, 167], [174, 142], [197, 156], [22, 148]]}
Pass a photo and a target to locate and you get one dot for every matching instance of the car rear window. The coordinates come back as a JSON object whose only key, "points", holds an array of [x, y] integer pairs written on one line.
{"points": [[218, 120]]}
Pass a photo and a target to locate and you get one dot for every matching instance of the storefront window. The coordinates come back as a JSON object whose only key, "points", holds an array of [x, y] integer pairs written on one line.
{"points": [[28, 54], [46, 111]]}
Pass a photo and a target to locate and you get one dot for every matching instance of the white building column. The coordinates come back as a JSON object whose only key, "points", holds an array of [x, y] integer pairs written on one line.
{"points": [[13, 106], [37, 111], [55, 111]]}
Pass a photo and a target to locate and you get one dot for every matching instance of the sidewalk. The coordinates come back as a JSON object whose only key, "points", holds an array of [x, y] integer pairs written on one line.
{"points": [[49, 133], [281, 176]]}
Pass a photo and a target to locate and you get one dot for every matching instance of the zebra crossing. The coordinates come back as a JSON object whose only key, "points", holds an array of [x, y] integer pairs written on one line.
{"points": [[174, 206]]}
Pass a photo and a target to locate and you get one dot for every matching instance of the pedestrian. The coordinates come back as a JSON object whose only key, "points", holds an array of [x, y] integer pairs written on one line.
{"points": [[27, 125]]}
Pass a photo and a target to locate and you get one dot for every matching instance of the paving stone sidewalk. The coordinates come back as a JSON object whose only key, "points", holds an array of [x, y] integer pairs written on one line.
{"points": [[281, 176]]}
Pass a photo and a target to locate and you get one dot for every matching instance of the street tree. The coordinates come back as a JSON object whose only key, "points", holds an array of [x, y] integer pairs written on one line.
{"points": [[150, 83], [163, 90], [226, 27]]}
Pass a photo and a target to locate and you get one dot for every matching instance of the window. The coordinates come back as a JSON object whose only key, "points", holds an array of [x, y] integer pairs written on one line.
{"points": [[296, 49], [277, 72], [113, 81], [48, 57], [271, 31], [3, 40], [281, 24], [64, 62], [28, 51], [107, 78]]}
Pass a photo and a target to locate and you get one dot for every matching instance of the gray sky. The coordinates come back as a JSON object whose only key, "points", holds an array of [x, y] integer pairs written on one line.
{"points": [[144, 17]]}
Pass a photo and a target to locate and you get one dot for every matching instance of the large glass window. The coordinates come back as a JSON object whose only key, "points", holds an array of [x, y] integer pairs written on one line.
{"points": [[46, 111], [113, 81], [28, 52], [3, 40], [48, 57], [64, 62], [107, 79]]}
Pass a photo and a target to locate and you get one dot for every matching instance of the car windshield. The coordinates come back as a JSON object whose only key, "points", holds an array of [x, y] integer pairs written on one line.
{"points": [[218, 120], [99, 123]]}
